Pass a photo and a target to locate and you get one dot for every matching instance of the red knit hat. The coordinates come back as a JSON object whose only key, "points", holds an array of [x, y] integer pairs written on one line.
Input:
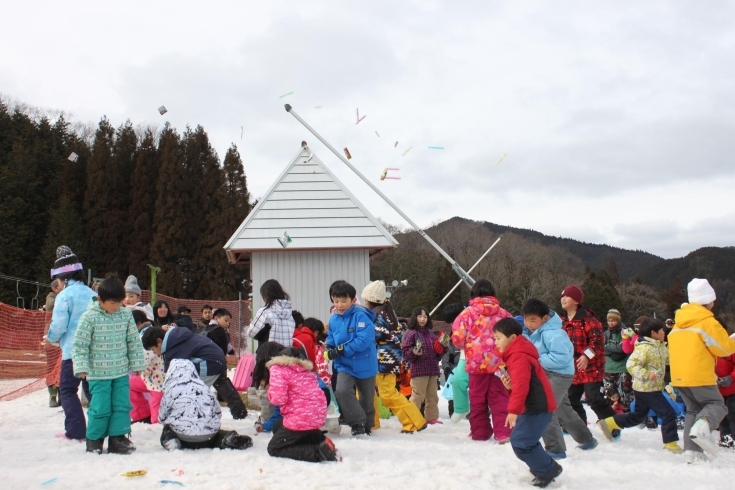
{"points": [[573, 292]]}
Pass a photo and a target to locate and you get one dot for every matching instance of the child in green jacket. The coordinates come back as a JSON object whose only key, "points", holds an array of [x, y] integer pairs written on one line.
{"points": [[106, 348]]}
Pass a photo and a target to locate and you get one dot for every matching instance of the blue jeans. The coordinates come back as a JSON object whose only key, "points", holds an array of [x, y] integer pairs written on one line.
{"points": [[75, 425], [525, 442]]}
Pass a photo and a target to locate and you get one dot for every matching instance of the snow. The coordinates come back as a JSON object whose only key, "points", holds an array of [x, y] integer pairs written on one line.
{"points": [[441, 457]]}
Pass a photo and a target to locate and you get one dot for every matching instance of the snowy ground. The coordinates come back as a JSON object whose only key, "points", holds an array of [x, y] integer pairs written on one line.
{"points": [[441, 457]]}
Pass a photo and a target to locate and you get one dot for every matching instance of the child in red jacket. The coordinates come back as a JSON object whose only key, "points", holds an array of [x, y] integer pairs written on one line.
{"points": [[725, 371], [531, 401]]}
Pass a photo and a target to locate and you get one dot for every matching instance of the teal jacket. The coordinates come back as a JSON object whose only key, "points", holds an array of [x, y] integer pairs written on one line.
{"points": [[106, 345], [71, 302]]}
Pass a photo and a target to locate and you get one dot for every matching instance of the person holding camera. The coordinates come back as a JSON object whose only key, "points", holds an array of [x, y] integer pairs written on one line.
{"points": [[616, 375]]}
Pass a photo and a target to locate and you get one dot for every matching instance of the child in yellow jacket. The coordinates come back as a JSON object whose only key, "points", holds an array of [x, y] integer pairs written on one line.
{"points": [[695, 343]]}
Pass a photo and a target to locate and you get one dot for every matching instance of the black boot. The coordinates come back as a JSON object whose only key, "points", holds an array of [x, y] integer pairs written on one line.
{"points": [[227, 390], [544, 482], [327, 452], [169, 439], [120, 445], [358, 430], [146, 420], [95, 446], [53, 393], [230, 439], [451, 407]]}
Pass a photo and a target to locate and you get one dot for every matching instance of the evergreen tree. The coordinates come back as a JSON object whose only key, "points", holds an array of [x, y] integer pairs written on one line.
{"points": [[170, 222], [65, 228], [124, 156], [142, 208], [674, 296], [600, 294]]}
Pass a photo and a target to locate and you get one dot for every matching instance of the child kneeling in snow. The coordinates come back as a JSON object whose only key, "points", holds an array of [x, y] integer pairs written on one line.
{"points": [[294, 388], [190, 413]]}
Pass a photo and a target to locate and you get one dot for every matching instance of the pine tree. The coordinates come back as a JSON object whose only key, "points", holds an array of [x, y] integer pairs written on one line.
{"points": [[600, 294], [142, 208], [124, 156], [170, 222], [65, 228]]}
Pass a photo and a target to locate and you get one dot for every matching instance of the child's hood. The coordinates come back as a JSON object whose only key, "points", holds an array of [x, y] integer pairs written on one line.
{"points": [[520, 345], [690, 315], [282, 308], [292, 362], [553, 323], [180, 371], [354, 309], [96, 308], [647, 341], [485, 306]]}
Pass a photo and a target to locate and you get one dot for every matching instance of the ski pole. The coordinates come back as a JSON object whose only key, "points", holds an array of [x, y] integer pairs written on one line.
{"points": [[464, 276]]}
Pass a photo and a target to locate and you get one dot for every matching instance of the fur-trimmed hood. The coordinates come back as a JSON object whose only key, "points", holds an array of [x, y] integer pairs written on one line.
{"points": [[290, 361]]}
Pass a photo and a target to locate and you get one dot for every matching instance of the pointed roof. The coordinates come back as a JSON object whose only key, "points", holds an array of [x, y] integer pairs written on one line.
{"points": [[311, 205]]}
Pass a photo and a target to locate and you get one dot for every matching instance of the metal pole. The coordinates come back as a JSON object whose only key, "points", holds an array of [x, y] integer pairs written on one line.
{"points": [[455, 266], [460, 282]]}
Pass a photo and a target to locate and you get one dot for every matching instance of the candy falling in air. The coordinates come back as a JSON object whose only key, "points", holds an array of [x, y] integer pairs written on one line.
{"points": [[347, 154], [409, 149], [284, 95], [162, 110], [73, 157], [501, 159]]}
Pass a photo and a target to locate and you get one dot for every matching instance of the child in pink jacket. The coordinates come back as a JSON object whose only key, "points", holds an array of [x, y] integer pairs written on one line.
{"points": [[472, 332], [295, 389]]}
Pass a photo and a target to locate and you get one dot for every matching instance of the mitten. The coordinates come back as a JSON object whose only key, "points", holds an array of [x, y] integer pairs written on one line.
{"points": [[438, 347], [724, 382]]}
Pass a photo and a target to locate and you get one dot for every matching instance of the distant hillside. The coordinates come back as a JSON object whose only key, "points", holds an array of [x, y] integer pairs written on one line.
{"points": [[713, 263], [629, 263]]}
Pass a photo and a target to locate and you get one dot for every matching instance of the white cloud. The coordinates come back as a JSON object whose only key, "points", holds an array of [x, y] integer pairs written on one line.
{"points": [[616, 116]]}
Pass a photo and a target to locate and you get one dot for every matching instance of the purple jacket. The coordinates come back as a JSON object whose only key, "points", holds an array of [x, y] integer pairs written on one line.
{"points": [[426, 364]]}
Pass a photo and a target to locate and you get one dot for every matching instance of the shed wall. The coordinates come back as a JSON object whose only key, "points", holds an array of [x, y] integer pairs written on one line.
{"points": [[306, 276]]}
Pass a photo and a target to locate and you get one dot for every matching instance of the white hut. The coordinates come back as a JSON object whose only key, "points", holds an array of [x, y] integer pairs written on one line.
{"points": [[331, 236]]}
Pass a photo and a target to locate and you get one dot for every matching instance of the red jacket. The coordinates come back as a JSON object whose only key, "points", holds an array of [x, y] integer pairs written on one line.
{"points": [[531, 391], [585, 332], [726, 367], [303, 336]]}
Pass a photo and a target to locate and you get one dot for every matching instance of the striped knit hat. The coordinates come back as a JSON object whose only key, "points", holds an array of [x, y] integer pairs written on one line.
{"points": [[613, 314], [66, 263]]}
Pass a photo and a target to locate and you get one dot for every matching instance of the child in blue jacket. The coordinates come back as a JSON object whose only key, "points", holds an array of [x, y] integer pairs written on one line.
{"points": [[351, 346], [556, 356]]}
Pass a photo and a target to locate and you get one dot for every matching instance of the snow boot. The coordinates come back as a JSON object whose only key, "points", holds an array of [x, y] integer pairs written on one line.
{"points": [[146, 420], [95, 446], [726, 441], [674, 447], [589, 445], [358, 430], [120, 445], [227, 390], [651, 423], [607, 426], [456, 417], [53, 393], [233, 440], [544, 482], [326, 451], [169, 439], [702, 437]]}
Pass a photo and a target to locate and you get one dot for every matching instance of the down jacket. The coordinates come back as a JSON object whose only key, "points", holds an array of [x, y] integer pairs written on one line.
{"points": [[355, 331], [295, 389], [69, 305], [726, 367], [555, 350], [585, 332], [181, 343], [695, 343], [188, 406], [531, 391], [649, 357], [472, 332]]}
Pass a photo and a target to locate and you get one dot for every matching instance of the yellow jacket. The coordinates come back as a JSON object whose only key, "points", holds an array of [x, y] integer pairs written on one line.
{"points": [[695, 343]]}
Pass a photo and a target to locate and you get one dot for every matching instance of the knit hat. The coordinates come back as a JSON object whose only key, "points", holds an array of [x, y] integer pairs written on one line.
{"points": [[131, 285], [700, 292], [613, 314], [374, 292], [66, 262], [573, 292]]}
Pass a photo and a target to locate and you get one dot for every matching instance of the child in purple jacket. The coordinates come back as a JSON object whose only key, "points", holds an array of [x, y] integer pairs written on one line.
{"points": [[421, 348]]}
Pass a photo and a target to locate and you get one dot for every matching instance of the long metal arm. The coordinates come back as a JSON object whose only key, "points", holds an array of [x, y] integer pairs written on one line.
{"points": [[464, 276], [460, 282]]}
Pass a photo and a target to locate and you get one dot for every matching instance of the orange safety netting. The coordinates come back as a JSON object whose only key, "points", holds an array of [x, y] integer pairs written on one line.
{"points": [[26, 366]]}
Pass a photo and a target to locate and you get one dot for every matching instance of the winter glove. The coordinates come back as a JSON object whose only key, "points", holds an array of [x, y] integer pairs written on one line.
{"points": [[438, 348], [724, 382], [333, 353]]}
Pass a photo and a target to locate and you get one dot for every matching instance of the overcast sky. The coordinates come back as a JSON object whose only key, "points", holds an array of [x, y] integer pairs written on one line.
{"points": [[618, 117]]}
